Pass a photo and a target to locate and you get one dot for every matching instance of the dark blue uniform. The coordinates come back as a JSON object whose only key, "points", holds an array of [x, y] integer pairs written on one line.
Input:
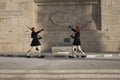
{"points": [[35, 40], [76, 43], [76, 37]]}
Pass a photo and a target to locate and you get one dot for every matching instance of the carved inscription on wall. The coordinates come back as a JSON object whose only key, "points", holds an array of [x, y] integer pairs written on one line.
{"points": [[10, 14], [114, 8], [14, 16], [7, 12]]}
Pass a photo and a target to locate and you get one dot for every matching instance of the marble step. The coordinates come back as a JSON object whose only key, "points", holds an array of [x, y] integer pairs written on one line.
{"points": [[61, 74]]}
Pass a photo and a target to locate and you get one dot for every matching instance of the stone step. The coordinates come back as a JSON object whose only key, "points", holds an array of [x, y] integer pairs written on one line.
{"points": [[56, 49], [61, 74]]}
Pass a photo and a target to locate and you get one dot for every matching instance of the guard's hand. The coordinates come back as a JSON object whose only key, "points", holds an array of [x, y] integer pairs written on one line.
{"points": [[40, 38], [42, 29], [72, 36], [69, 26]]}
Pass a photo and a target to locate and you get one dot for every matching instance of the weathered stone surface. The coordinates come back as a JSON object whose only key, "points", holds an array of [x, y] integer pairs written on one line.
{"points": [[57, 1], [57, 17], [15, 15], [110, 24], [102, 34]]}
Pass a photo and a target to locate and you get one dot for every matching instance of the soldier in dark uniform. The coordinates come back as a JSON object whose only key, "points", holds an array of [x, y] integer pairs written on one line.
{"points": [[35, 44], [76, 43]]}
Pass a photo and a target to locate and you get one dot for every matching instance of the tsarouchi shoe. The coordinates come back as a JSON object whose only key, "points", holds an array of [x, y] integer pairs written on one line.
{"points": [[83, 56], [41, 56]]}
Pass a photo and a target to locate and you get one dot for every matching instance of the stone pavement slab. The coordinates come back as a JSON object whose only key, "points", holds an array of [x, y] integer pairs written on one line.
{"points": [[61, 74]]}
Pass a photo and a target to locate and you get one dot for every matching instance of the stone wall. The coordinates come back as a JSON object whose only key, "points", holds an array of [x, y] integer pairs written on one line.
{"points": [[102, 34], [110, 25], [55, 17], [15, 16]]}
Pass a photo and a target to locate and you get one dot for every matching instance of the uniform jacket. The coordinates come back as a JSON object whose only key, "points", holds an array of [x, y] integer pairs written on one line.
{"points": [[76, 37], [35, 39]]}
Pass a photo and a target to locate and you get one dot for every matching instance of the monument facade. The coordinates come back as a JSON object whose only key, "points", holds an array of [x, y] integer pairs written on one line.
{"points": [[54, 16]]}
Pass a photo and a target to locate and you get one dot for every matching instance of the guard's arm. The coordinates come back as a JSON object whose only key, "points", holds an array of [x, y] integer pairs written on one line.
{"points": [[40, 31], [72, 28]]}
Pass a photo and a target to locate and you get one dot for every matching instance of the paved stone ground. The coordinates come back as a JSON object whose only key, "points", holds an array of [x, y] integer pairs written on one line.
{"points": [[96, 66]]}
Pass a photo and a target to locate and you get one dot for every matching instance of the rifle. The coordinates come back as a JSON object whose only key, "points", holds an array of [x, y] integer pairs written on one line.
{"points": [[29, 28], [86, 24], [83, 25], [81, 28]]}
